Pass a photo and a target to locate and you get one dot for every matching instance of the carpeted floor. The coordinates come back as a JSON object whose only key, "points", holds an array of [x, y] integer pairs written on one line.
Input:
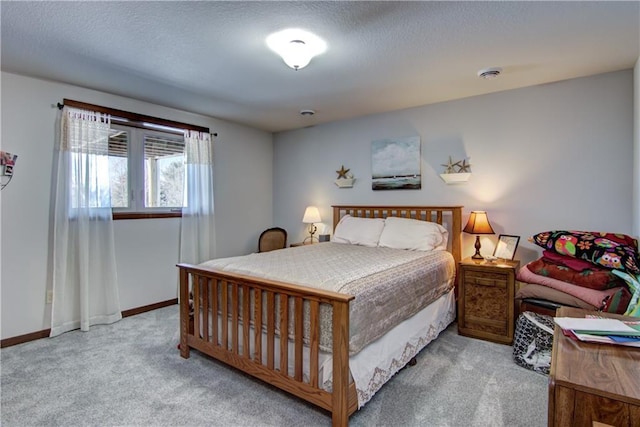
{"points": [[130, 373]]}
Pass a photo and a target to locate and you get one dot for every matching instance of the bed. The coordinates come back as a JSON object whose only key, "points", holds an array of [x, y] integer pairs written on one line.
{"points": [[331, 344]]}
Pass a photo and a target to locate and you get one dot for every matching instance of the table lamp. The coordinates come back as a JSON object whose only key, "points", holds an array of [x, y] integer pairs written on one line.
{"points": [[478, 224], [311, 216]]}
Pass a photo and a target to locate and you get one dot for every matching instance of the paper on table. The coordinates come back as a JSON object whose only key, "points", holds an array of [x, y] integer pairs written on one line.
{"points": [[597, 326], [618, 338], [606, 340]]}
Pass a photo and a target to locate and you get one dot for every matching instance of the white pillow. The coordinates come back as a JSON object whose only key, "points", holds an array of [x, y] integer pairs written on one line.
{"points": [[358, 231], [412, 234]]}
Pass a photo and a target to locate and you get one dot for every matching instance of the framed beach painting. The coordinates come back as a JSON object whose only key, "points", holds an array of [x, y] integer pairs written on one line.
{"points": [[395, 164]]}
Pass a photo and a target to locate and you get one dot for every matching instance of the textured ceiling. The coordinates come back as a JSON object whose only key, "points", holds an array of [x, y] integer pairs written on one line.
{"points": [[211, 57]]}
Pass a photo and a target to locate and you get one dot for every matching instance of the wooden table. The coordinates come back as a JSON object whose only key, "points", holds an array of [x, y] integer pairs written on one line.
{"points": [[593, 383]]}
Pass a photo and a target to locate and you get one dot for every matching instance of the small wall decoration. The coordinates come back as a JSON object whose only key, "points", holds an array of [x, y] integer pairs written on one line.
{"points": [[395, 164], [345, 179], [7, 163], [456, 172], [506, 247]]}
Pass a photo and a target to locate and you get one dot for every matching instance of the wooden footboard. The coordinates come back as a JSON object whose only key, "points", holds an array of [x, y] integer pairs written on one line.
{"points": [[231, 341]]}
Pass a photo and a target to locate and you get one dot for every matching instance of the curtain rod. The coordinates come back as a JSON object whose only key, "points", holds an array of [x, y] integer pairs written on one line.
{"points": [[132, 118]]}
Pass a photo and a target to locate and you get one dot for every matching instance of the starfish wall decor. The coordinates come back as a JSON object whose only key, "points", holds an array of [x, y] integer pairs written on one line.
{"points": [[345, 179], [342, 173], [464, 167], [456, 172], [461, 166], [450, 167]]}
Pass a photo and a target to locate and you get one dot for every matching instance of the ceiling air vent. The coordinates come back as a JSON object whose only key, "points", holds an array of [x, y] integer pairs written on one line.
{"points": [[489, 73]]}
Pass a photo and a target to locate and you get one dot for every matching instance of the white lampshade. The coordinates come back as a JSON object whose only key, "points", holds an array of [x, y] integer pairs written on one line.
{"points": [[311, 215]]}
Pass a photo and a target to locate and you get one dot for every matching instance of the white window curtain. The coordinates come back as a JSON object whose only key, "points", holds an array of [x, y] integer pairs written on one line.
{"points": [[85, 286], [197, 235]]}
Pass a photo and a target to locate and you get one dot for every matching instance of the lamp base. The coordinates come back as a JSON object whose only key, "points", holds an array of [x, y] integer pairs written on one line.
{"points": [[309, 239], [312, 231], [477, 246]]}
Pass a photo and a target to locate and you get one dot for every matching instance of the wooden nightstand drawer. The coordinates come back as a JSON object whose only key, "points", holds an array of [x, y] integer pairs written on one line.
{"points": [[481, 278], [485, 300]]}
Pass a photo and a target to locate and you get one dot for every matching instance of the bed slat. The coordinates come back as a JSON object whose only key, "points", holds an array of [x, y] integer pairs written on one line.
{"points": [[246, 321], [216, 309], [205, 307], [314, 343], [234, 319], [271, 308], [224, 320], [299, 322], [196, 306], [257, 321], [284, 334]]}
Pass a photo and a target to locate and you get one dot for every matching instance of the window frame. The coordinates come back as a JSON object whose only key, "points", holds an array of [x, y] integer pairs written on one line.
{"points": [[136, 172], [147, 123]]}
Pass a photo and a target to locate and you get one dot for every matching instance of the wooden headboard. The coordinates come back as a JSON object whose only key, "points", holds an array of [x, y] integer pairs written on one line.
{"points": [[452, 215]]}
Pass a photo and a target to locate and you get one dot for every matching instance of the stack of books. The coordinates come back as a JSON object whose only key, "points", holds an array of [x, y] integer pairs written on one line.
{"points": [[601, 330]]}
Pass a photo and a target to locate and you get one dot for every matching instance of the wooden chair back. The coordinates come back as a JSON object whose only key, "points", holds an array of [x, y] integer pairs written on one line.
{"points": [[272, 239]]}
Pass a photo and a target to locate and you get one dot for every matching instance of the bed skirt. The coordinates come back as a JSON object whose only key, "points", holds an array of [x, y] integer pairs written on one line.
{"points": [[383, 358]]}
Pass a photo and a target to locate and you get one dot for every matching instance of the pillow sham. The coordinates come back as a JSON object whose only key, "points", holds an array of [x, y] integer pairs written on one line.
{"points": [[613, 251], [412, 234], [358, 231]]}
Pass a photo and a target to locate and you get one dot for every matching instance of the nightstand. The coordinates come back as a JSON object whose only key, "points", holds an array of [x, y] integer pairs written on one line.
{"points": [[485, 299]]}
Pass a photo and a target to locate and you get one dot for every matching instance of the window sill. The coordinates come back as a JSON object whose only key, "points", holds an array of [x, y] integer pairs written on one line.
{"points": [[145, 215]]}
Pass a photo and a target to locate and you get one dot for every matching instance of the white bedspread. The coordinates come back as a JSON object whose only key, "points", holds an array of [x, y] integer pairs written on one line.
{"points": [[390, 285]]}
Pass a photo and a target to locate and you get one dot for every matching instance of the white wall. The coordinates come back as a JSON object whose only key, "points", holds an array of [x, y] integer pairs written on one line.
{"points": [[636, 148], [552, 156], [147, 250]]}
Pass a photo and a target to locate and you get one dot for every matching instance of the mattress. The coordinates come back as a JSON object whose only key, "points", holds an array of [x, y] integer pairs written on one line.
{"points": [[390, 285]]}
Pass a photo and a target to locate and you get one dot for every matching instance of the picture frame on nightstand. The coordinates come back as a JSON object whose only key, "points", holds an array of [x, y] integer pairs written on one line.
{"points": [[506, 246]]}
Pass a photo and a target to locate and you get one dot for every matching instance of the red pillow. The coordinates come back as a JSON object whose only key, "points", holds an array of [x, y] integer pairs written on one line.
{"points": [[592, 278], [572, 263]]}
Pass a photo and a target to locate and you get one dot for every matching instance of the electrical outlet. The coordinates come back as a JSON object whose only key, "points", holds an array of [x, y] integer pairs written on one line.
{"points": [[50, 297]]}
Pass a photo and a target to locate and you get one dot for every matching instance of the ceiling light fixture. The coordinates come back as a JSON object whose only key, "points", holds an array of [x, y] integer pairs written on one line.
{"points": [[296, 47], [490, 73], [307, 112]]}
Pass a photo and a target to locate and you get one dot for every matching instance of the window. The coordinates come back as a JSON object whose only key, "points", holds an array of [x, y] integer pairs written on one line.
{"points": [[146, 170], [144, 165]]}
